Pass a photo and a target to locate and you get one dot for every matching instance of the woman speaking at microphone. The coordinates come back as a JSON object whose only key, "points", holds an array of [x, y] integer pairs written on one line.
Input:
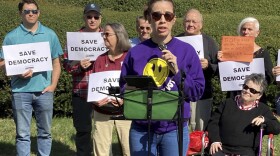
{"points": [[165, 65]]}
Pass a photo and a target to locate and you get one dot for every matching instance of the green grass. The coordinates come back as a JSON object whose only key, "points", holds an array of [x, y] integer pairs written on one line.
{"points": [[220, 18], [63, 134]]}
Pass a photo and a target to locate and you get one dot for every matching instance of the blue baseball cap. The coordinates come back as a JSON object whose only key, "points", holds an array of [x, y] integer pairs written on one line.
{"points": [[92, 7]]}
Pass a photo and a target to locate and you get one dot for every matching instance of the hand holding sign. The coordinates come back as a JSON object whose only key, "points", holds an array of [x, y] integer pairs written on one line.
{"points": [[102, 102], [276, 69], [204, 63], [85, 63], [117, 103], [27, 74], [220, 55]]}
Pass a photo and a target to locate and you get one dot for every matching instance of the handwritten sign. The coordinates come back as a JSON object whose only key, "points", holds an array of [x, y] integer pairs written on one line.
{"points": [[196, 41], [99, 84], [81, 45], [238, 48], [232, 74], [22, 57], [278, 64]]}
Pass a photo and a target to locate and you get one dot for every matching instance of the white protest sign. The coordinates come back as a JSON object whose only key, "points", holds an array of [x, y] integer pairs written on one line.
{"points": [[196, 41], [100, 82], [278, 64], [232, 74], [81, 45], [21, 57]]}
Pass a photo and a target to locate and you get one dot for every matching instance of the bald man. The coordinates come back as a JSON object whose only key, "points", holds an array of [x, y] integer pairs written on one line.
{"points": [[201, 109]]}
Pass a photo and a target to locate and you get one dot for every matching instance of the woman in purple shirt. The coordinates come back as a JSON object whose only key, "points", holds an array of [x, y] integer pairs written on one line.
{"points": [[165, 66]]}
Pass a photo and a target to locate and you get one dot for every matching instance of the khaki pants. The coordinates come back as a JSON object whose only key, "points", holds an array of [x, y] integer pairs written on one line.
{"points": [[102, 134], [200, 114]]}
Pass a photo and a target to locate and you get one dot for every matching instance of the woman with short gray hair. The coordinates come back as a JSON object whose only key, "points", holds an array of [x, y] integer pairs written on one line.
{"points": [[250, 27], [258, 79], [234, 126]]}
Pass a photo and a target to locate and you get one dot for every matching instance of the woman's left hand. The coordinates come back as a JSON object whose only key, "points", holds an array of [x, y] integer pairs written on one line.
{"points": [[215, 147], [115, 103], [276, 70], [258, 120]]}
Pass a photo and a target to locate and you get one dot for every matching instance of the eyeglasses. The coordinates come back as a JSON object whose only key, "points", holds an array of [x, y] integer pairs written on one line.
{"points": [[191, 21], [107, 34], [28, 11], [168, 16], [142, 28], [252, 90], [95, 17]]}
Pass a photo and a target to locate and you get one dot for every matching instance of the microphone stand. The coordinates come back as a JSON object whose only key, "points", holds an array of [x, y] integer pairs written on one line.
{"points": [[181, 118], [149, 114], [181, 101]]}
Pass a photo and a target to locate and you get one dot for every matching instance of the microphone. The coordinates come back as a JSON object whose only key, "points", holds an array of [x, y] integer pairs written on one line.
{"points": [[162, 46], [171, 65]]}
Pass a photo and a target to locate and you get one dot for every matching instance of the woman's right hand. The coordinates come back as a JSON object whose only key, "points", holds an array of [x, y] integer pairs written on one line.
{"points": [[215, 147], [220, 55], [102, 102], [171, 59]]}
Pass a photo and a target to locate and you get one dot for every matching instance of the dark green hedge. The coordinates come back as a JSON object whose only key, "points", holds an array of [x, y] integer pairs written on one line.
{"points": [[254, 7], [221, 17]]}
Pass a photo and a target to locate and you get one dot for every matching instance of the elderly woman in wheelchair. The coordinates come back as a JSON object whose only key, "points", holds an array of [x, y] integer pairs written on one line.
{"points": [[234, 128]]}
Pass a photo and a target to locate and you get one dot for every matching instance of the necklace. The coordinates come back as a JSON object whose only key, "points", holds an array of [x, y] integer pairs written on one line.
{"points": [[106, 61]]}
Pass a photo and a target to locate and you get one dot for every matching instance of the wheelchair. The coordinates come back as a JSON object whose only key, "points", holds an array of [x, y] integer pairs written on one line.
{"points": [[202, 148]]}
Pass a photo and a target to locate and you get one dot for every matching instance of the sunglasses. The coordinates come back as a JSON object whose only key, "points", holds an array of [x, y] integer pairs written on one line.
{"points": [[28, 11], [95, 17], [168, 16], [252, 90], [107, 34], [147, 28]]}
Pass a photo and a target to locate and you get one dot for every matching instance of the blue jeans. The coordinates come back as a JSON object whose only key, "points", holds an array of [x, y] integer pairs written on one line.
{"points": [[42, 104], [162, 144]]}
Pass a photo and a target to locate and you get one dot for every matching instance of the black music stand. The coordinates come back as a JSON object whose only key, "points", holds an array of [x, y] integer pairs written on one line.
{"points": [[168, 105], [163, 107]]}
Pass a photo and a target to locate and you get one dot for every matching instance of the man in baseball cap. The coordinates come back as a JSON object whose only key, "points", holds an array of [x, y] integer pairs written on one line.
{"points": [[80, 71], [92, 18]]}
